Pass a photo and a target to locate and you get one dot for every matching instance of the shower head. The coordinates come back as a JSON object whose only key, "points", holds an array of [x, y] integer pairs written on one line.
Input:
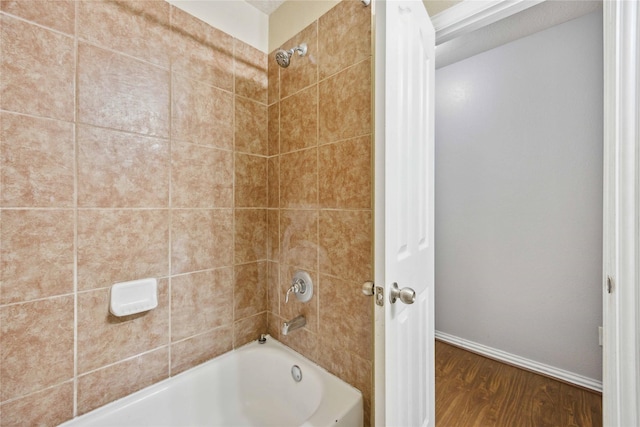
{"points": [[283, 57]]}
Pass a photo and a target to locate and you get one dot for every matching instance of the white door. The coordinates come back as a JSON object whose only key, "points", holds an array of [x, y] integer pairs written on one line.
{"points": [[404, 334]]}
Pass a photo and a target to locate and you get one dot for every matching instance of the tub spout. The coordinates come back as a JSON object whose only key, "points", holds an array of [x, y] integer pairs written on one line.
{"points": [[293, 324]]}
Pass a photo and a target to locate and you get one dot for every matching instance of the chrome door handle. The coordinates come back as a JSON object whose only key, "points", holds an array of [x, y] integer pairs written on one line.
{"points": [[406, 295]]}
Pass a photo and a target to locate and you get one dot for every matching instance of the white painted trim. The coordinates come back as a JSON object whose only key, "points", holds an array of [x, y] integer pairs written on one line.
{"points": [[468, 16], [621, 368], [521, 362], [379, 34]]}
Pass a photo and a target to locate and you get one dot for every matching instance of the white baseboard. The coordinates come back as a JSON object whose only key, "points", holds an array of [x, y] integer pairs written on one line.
{"points": [[521, 362]]}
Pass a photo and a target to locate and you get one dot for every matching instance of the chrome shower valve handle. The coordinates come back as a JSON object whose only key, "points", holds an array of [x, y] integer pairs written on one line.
{"points": [[301, 286], [297, 287]]}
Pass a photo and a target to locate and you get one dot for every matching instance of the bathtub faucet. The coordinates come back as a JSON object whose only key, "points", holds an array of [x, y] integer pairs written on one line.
{"points": [[293, 324]]}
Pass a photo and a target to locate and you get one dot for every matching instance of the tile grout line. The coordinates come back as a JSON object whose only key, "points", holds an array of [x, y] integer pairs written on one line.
{"points": [[170, 239], [75, 211]]}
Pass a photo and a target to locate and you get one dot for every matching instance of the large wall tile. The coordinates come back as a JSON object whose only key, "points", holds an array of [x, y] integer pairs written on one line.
{"points": [[251, 181], [344, 37], [36, 70], [273, 235], [344, 174], [345, 317], [200, 348], [123, 170], [58, 15], [36, 162], [299, 179], [346, 244], [299, 238], [249, 289], [120, 245], [273, 182], [137, 28], [201, 113], [36, 257], [250, 72], [200, 302], [36, 346], [273, 287], [249, 329], [201, 239], [251, 133], [299, 120], [250, 235], [273, 136], [51, 406], [201, 177], [104, 338], [200, 51], [345, 104], [122, 93], [303, 70], [113, 382]]}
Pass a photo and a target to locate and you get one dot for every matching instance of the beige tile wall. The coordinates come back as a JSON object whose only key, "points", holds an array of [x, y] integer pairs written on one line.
{"points": [[123, 127], [320, 192], [137, 141]]}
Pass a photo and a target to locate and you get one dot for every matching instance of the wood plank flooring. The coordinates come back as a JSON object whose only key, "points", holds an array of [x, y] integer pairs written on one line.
{"points": [[474, 391]]}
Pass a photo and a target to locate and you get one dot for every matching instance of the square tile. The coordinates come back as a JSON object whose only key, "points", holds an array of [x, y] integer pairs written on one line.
{"points": [[37, 69], [251, 132], [201, 113], [201, 302], [122, 170], [36, 254], [345, 174], [113, 382], [251, 181], [249, 289], [37, 162], [118, 92], [35, 354], [345, 104], [121, 245], [250, 72], [299, 179], [201, 52], [201, 176], [346, 239], [137, 28], [201, 239], [250, 235], [104, 339], [299, 120]]}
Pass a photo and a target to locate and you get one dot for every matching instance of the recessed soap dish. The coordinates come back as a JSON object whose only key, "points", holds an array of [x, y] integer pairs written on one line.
{"points": [[133, 297]]}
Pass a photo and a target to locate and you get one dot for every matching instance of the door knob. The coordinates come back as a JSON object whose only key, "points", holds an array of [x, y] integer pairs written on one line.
{"points": [[406, 295]]}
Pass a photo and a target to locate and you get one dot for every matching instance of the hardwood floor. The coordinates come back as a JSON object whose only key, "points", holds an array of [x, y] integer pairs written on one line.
{"points": [[472, 390]]}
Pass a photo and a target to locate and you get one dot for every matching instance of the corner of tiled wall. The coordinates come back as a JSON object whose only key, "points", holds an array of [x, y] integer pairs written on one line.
{"points": [[320, 192], [133, 143]]}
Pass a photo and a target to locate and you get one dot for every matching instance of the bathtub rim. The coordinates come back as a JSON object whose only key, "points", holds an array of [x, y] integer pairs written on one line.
{"points": [[318, 418]]}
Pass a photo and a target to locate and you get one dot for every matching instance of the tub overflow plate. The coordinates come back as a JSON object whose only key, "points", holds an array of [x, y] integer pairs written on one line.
{"points": [[296, 373]]}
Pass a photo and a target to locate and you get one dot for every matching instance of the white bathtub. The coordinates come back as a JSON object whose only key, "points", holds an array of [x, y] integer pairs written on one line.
{"points": [[250, 386]]}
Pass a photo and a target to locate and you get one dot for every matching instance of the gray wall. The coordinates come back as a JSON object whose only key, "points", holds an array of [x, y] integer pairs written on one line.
{"points": [[519, 197]]}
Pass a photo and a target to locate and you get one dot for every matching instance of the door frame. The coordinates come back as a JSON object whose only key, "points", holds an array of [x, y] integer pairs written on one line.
{"points": [[621, 187]]}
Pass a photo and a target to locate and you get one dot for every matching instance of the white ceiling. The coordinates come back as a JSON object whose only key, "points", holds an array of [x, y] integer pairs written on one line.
{"points": [[530, 21], [266, 6]]}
